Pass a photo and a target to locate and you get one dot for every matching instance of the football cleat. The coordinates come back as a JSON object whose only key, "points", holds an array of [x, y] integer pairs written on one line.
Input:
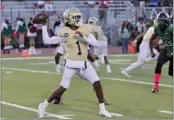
{"points": [[124, 72], [41, 110], [105, 113], [154, 90], [109, 70]]}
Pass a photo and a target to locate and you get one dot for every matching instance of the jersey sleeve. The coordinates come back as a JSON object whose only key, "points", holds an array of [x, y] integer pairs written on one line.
{"points": [[92, 41], [94, 29], [51, 40]]}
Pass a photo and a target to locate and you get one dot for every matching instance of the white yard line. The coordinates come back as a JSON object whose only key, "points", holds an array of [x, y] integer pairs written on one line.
{"points": [[167, 112], [119, 60], [116, 114], [8, 72], [35, 110], [50, 57], [114, 79]]}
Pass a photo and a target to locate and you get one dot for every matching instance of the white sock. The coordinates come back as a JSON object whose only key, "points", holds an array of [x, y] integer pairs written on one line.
{"points": [[45, 103], [101, 58], [133, 66], [58, 65], [108, 66], [102, 106]]}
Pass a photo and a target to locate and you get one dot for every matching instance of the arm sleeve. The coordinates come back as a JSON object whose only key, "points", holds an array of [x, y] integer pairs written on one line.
{"points": [[50, 40], [92, 40], [94, 29]]}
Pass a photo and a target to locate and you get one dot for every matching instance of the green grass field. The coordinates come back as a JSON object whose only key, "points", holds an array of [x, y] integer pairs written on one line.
{"points": [[27, 82]]}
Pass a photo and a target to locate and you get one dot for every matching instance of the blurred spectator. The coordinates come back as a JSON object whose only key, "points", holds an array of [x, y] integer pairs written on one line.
{"points": [[141, 25], [49, 8], [32, 33], [91, 4], [39, 40], [2, 7], [102, 11], [124, 33], [21, 29], [57, 25], [142, 11], [142, 4], [6, 34], [154, 3], [41, 4]]}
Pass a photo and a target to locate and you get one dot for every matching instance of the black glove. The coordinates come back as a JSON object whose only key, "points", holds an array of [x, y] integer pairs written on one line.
{"points": [[153, 55]]}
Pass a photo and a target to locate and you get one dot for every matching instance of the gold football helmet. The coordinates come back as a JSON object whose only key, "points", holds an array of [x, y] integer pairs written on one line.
{"points": [[72, 16], [93, 20]]}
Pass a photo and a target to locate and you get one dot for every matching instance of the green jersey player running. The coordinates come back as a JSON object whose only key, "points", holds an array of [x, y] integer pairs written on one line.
{"points": [[165, 31]]}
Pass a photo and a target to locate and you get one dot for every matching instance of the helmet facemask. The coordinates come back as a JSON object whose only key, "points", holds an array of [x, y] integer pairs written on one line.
{"points": [[77, 20]]}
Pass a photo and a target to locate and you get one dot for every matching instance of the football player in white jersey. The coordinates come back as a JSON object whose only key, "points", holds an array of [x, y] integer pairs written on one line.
{"points": [[102, 51], [144, 50], [61, 51], [76, 36]]}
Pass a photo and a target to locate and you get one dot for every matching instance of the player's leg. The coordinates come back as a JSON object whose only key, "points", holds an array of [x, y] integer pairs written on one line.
{"points": [[58, 70], [21, 41], [91, 75], [141, 57], [126, 45], [64, 85], [83, 77], [170, 71], [123, 45], [32, 49], [162, 59], [6, 44]]}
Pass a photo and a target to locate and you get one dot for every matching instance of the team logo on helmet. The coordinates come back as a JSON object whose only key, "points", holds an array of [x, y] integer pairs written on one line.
{"points": [[66, 35]]}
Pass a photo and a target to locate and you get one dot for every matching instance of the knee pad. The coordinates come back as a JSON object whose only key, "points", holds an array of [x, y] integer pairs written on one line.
{"points": [[158, 68]]}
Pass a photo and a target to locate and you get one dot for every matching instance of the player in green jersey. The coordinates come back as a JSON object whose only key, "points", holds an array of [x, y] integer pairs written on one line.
{"points": [[165, 31]]}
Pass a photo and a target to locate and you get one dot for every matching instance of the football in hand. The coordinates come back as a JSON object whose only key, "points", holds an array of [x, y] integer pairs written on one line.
{"points": [[40, 18]]}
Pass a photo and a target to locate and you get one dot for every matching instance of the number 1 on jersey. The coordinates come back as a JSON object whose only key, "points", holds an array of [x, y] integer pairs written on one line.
{"points": [[79, 49]]}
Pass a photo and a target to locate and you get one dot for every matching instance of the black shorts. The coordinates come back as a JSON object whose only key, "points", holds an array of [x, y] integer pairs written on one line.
{"points": [[164, 58]]}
